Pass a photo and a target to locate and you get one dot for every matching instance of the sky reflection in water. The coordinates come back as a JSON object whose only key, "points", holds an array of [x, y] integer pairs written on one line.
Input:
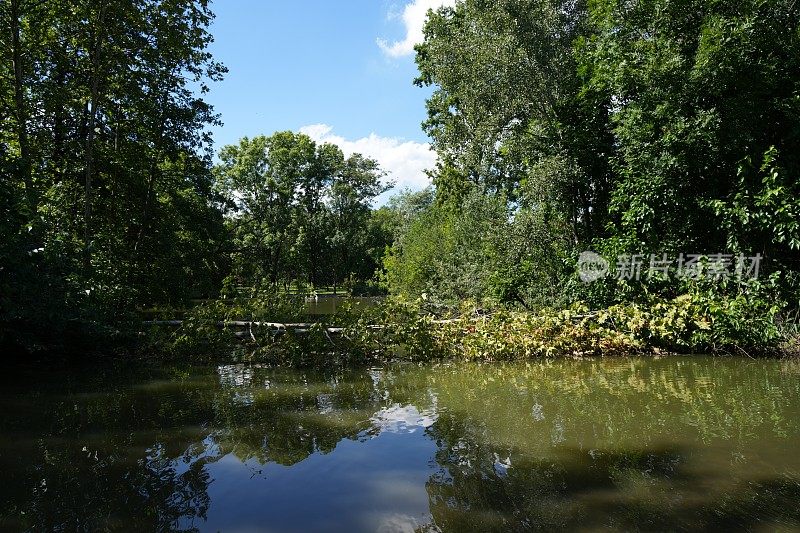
{"points": [[620, 444]]}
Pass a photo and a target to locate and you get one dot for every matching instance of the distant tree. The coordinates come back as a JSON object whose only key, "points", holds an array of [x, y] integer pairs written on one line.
{"points": [[301, 210], [356, 183], [262, 176]]}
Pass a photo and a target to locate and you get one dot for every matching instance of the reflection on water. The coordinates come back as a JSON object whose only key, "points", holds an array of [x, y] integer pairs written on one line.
{"points": [[676, 443], [328, 304]]}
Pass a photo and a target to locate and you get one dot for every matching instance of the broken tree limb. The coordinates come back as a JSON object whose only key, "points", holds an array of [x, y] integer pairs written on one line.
{"points": [[304, 327]]}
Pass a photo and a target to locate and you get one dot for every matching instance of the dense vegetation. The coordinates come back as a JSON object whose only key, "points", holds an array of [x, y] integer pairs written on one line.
{"points": [[658, 127], [636, 129], [109, 202], [107, 197], [301, 212], [644, 129]]}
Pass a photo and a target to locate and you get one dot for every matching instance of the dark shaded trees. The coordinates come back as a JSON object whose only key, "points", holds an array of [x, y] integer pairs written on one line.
{"points": [[105, 157]]}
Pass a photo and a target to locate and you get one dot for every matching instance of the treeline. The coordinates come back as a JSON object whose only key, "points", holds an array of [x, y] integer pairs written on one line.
{"points": [[109, 201], [301, 215], [644, 129], [637, 128], [107, 198]]}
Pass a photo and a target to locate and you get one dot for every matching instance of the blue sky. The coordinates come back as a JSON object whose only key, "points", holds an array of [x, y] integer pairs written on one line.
{"points": [[340, 71]]}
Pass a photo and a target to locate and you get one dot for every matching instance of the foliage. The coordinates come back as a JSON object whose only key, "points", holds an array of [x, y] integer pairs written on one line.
{"points": [[482, 251], [301, 212], [697, 322], [201, 335], [699, 87], [765, 207], [666, 126], [621, 127], [107, 200], [508, 112]]}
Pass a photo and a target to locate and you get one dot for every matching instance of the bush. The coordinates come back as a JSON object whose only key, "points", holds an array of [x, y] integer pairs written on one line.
{"points": [[701, 320]]}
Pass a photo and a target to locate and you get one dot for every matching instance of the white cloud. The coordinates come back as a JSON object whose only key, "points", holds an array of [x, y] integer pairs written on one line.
{"points": [[404, 161], [414, 15], [403, 419]]}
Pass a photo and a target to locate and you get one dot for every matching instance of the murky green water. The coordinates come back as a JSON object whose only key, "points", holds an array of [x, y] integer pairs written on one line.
{"points": [[676, 443], [329, 304]]}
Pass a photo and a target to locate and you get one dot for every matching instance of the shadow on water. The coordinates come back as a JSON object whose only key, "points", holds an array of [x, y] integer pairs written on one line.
{"points": [[676, 444], [632, 490]]}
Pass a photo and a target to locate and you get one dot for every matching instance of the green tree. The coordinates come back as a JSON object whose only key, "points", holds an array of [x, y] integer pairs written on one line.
{"points": [[262, 178], [301, 210], [507, 98], [104, 157], [628, 127], [356, 183], [698, 88]]}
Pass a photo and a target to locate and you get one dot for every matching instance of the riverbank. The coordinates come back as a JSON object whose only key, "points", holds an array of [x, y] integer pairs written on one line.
{"points": [[280, 330], [264, 330]]}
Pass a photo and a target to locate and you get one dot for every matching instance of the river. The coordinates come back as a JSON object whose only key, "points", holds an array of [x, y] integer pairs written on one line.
{"points": [[618, 444]]}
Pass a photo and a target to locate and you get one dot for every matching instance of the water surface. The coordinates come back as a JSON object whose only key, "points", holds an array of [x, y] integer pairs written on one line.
{"points": [[619, 444], [328, 304]]}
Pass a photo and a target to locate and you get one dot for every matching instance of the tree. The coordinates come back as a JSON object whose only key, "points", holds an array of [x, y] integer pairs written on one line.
{"points": [[356, 183], [105, 155], [639, 127], [507, 97], [302, 210], [262, 176], [699, 89]]}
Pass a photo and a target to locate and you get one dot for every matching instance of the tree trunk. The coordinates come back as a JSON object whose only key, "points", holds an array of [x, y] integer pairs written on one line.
{"points": [[21, 111], [59, 120], [89, 161]]}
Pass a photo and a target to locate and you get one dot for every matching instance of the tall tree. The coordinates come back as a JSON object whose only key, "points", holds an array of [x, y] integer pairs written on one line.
{"points": [[103, 128], [509, 114], [301, 210]]}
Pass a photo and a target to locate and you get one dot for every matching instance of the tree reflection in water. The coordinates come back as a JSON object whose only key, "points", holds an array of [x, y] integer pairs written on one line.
{"points": [[621, 444]]}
